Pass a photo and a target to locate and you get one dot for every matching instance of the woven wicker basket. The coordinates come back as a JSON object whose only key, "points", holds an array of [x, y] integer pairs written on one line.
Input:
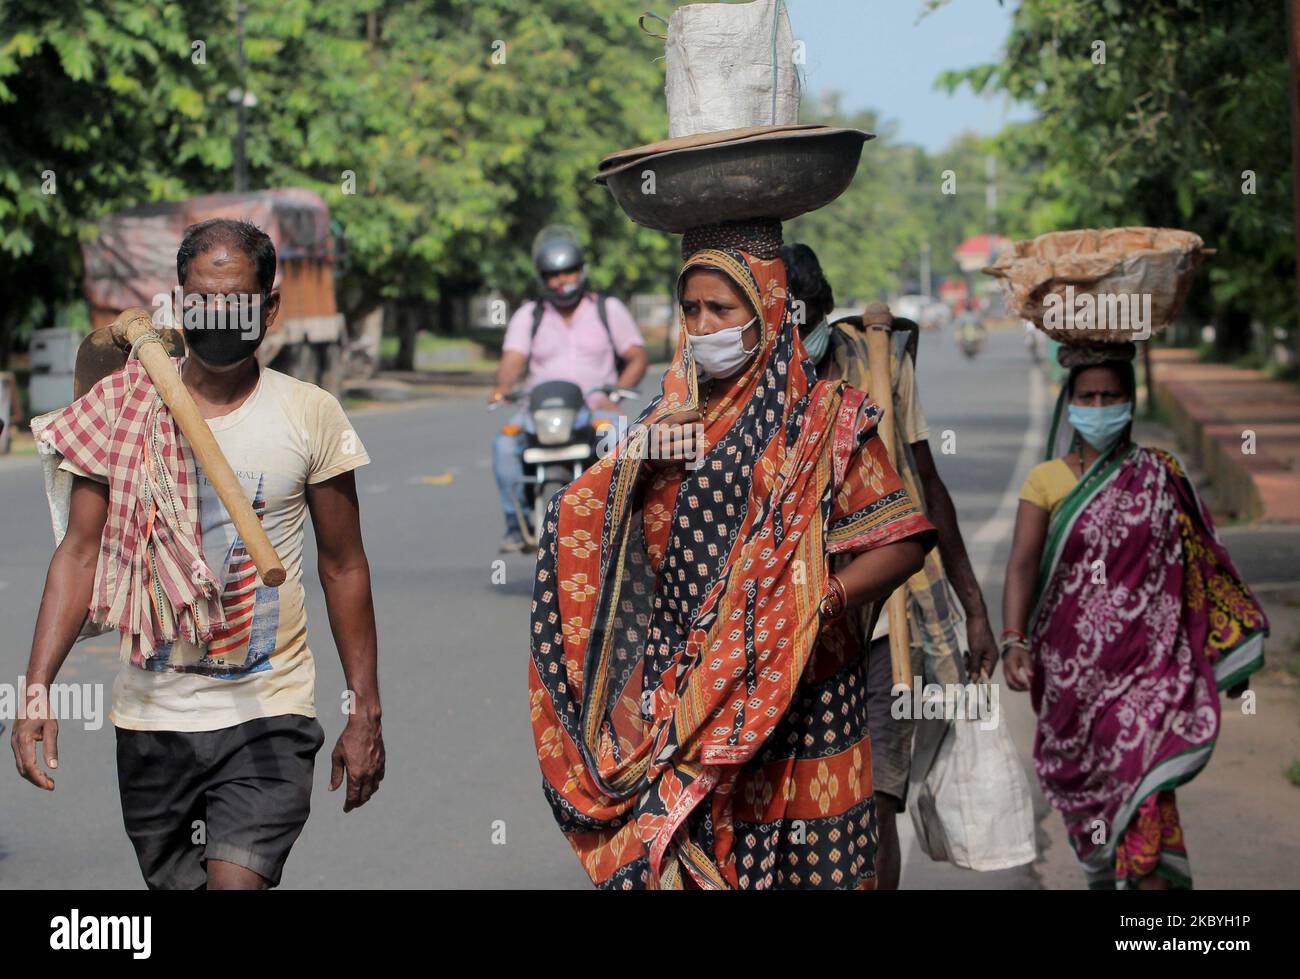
{"points": [[1135, 281]]}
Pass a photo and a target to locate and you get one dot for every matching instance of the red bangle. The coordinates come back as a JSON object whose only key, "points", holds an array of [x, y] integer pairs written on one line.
{"points": [[836, 599], [840, 590], [1013, 632]]}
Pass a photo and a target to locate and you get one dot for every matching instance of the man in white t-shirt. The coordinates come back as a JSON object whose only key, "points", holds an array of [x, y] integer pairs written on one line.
{"points": [[224, 733]]}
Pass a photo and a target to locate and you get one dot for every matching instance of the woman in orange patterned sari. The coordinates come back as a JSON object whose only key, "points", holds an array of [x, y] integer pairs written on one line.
{"points": [[697, 694]]}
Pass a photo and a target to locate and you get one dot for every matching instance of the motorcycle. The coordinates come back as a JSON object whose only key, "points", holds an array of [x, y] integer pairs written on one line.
{"points": [[969, 336], [563, 437]]}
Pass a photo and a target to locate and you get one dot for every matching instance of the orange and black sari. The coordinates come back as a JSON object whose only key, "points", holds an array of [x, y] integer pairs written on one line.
{"points": [[695, 723]]}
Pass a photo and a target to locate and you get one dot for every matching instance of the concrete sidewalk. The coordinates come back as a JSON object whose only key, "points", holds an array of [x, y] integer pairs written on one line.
{"points": [[1241, 428]]}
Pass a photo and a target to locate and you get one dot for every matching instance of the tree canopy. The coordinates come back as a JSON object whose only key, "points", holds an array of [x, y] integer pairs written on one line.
{"points": [[445, 133], [1169, 113]]}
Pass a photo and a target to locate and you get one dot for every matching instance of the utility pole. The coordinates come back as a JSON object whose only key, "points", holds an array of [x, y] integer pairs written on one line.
{"points": [[1293, 50], [990, 191], [990, 212]]}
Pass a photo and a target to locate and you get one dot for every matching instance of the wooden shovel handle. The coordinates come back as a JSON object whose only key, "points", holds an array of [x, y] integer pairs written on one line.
{"points": [[127, 329], [876, 318]]}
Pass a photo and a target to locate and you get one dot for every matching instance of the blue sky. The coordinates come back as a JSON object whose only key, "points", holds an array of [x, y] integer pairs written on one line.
{"points": [[878, 56]]}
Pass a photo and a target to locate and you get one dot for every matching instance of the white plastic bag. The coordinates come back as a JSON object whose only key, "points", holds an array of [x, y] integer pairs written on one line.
{"points": [[722, 60], [970, 799]]}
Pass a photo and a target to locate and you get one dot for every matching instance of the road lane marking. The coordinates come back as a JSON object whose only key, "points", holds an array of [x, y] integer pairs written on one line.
{"points": [[1003, 521], [443, 479]]}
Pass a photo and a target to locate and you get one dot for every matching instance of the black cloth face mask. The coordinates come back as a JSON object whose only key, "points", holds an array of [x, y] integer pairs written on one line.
{"points": [[226, 334]]}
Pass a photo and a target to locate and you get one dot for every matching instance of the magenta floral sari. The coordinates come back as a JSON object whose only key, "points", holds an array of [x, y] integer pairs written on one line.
{"points": [[1140, 620]]}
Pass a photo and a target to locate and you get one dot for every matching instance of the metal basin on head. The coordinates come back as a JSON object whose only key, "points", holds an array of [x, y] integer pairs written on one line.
{"points": [[777, 175]]}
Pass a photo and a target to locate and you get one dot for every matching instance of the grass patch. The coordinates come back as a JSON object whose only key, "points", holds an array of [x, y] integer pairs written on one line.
{"points": [[1267, 364], [1154, 413], [1293, 774], [21, 442], [469, 366], [1283, 372], [1253, 361], [424, 342]]}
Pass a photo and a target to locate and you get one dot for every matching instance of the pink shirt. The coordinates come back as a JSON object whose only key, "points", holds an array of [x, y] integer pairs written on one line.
{"points": [[577, 351]]}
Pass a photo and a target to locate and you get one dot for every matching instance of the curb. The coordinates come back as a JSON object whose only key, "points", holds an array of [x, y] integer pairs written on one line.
{"points": [[1211, 407]]}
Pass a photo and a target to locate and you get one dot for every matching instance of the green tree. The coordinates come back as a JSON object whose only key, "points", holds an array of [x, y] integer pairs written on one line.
{"points": [[100, 108], [467, 127], [869, 241], [1182, 125], [869, 238]]}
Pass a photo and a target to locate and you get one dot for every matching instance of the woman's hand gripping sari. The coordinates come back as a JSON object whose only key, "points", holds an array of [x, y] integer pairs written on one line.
{"points": [[680, 675], [1139, 621]]}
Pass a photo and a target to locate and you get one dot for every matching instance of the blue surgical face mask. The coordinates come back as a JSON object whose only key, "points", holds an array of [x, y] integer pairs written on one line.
{"points": [[1100, 427], [817, 339]]}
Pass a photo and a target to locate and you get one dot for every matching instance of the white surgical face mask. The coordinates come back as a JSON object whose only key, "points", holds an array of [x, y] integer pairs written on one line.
{"points": [[723, 353]]}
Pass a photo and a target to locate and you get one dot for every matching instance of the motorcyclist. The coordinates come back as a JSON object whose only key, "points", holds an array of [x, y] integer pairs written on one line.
{"points": [[969, 329], [570, 333]]}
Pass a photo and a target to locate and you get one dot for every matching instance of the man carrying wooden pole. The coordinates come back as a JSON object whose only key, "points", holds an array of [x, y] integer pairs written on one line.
{"points": [[192, 483]]}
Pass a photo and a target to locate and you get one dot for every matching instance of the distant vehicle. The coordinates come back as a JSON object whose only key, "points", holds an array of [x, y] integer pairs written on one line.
{"points": [[938, 315], [969, 334], [132, 260], [909, 307], [929, 313]]}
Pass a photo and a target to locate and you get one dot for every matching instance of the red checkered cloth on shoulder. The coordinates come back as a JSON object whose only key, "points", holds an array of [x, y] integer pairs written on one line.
{"points": [[151, 581]]}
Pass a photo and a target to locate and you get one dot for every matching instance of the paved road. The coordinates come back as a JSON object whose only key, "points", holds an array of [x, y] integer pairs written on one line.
{"points": [[461, 767]]}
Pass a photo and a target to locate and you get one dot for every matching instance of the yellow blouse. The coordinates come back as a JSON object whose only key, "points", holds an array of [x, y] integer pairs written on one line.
{"points": [[1048, 483]]}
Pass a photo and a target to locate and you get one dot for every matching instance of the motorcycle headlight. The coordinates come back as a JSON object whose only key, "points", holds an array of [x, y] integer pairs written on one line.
{"points": [[554, 425]]}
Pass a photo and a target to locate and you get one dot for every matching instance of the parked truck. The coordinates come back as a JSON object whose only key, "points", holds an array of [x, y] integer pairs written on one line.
{"points": [[132, 261]]}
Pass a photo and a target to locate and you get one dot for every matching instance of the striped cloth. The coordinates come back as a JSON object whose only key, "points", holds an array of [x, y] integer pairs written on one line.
{"points": [[151, 581]]}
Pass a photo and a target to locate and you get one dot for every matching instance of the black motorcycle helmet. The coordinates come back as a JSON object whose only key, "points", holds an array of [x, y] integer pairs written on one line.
{"points": [[556, 249]]}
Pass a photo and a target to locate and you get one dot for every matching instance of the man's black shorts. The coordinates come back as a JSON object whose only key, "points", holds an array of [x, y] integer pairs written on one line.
{"points": [[239, 794]]}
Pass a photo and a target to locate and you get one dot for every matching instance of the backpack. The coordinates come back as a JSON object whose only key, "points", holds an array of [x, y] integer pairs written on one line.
{"points": [[539, 311]]}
